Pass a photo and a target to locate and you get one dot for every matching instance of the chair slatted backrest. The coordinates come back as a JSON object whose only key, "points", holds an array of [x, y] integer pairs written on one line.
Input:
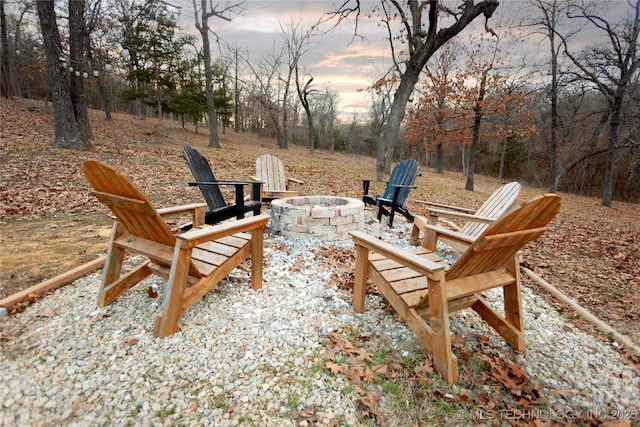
{"points": [[497, 204], [202, 172], [128, 203], [506, 236], [270, 170], [404, 173]]}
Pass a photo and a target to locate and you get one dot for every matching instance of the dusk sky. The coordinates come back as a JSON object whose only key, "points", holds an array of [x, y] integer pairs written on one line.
{"points": [[339, 61]]}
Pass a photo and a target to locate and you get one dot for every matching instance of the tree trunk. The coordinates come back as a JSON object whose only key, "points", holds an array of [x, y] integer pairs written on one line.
{"points": [[614, 128], [464, 159], [78, 100], [381, 156], [503, 154], [65, 127], [6, 69], [284, 144], [439, 159], [101, 78], [389, 138], [472, 151], [310, 131], [208, 77], [553, 146], [236, 93], [477, 121]]}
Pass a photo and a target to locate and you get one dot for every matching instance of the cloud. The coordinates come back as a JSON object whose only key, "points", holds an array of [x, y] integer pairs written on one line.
{"points": [[340, 60]]}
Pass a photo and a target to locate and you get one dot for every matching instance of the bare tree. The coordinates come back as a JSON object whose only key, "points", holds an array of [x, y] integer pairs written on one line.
{"points": [[551, 12], [77, 55], [422, 36], [4, 64], [66, 130], [202, 15], [304, 90], [94, 15], [14, 78], [326, 113], [234, 61], [611, 70], [296, 42], [379, 112], [267, 88], [482, 66]]}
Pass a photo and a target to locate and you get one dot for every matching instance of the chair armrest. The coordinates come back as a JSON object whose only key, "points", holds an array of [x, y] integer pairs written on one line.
{"points": [[297, 181], [403, 186], [396, 193], [196, 236], [239, 189], [176, 210], [194, 184], [434, 234], [454, 235], [459, 215], [407, 258], [440, 206]]}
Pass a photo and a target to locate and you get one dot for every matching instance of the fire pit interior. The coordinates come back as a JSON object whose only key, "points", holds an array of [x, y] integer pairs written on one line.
{"points": [[326, 218]]}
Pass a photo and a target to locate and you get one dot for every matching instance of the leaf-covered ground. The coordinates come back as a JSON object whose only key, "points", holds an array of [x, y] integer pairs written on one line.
{"points": [[50, 223]]}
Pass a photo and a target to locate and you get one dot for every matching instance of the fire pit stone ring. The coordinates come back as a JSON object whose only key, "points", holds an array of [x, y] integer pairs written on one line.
{"points": [[327, 218]]}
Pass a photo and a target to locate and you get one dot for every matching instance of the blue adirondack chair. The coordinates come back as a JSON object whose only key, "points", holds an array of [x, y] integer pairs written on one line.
{"points": [[395, 194]]}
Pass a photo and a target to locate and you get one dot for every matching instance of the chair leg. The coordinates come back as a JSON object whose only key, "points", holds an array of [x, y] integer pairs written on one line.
{"points": [[443, 358], [112, 285], [257, 243], [380, 213], [394, 206], [511, 326], [430, 238], [360, 282], [167, 321], [513, 304], [414, 239]]}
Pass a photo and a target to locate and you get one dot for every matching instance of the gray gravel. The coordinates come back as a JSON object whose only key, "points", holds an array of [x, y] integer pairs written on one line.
{"points": [[247, 357]]}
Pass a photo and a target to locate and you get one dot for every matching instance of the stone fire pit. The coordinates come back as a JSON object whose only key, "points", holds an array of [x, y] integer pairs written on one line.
{"points": [[325, 218]]}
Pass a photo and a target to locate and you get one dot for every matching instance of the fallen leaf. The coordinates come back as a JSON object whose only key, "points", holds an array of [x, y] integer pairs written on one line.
{"points": [[152, 292], [46, 312]]}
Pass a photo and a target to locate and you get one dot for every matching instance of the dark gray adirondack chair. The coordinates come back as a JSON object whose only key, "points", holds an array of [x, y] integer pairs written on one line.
{"points": [[219, 210], [395, 194]]}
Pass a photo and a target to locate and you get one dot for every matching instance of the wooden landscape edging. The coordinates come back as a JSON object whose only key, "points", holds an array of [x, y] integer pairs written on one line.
{"points": [[628, 344], [53, 283]]}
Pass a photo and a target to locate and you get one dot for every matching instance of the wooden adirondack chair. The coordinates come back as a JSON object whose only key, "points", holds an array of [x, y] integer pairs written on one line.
{"points": [[423, 290], [219, 209], [193, 262], [496, 204], [396, 192], [270, 170]]}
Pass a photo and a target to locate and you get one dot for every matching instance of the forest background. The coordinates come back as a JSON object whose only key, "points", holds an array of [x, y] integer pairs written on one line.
{"points": [[566, 117]]}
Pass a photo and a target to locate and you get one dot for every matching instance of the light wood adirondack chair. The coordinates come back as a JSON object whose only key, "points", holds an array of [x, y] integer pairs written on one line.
{"points": [[270, 170], [424, 290], [193, 262], [496, 204], [395, 194]]}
